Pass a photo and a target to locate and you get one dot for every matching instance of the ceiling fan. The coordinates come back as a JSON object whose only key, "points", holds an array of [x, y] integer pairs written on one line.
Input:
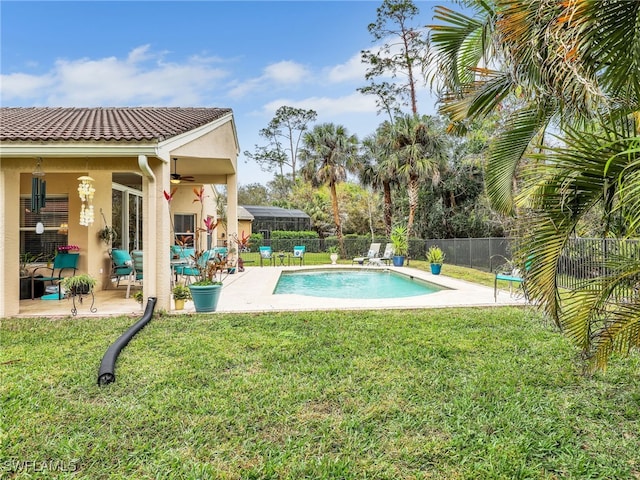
{"points": [[176, 177]]}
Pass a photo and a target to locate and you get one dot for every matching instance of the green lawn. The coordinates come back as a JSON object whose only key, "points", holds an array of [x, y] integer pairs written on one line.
{"points": [[437, 394]]}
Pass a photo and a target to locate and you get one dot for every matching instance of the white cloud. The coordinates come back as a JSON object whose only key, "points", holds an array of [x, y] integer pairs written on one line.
{"points": [[352, 70], [327, 106], [286, 72], [24, 86], [275, 75], [139, 79]]}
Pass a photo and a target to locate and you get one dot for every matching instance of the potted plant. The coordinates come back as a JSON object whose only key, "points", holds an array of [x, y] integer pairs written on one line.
{"points": [[205, 291], [180, 294], [435, 256], [108, 235], [400, 242], [78, 284], [333, 254]]}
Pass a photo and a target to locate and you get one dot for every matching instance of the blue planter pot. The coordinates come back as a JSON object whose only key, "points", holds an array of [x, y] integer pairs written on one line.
{"points": [[435, 268], [398, 261], [205, 297]]}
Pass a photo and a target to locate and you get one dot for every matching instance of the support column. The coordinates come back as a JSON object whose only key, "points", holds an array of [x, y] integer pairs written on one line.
{"points": [[232, 205], [155, 234], [10, 244]]}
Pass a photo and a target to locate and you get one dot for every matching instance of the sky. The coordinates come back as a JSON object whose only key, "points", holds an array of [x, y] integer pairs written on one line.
{"points": [[250, 56]]}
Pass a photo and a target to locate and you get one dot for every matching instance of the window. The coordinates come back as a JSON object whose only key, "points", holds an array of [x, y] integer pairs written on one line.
{"points": [[185, 227], [54, 217]]}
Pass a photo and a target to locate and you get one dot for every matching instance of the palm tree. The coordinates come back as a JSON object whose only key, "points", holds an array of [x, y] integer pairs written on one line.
{"points": [[328, 153], [375, 172], [416, 149], [575, 66]]}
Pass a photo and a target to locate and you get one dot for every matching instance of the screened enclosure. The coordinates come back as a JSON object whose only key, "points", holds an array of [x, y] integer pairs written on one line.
{"points": [[267, 219]]}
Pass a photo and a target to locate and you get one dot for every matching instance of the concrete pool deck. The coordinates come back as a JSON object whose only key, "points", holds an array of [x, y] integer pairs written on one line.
{"points": [[251, 291]]}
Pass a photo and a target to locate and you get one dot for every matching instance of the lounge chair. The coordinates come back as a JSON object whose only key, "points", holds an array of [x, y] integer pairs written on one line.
{"points": [[374, 250], [387, 255], [298, 253], [266, 254]]}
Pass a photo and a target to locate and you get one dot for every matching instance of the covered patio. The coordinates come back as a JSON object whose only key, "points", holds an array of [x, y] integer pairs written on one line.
{"points": [[130, 157]]}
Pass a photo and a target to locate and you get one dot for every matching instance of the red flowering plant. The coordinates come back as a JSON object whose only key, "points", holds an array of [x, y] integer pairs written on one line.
{"points": [[67, 248], [206, 268]]}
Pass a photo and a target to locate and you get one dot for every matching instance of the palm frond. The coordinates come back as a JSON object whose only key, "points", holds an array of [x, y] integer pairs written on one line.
{"points": [[506, 153], [610, 41], [461, 41]]}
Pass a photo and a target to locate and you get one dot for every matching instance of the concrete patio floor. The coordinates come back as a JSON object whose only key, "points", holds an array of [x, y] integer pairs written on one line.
{"points": [[251, 291]]}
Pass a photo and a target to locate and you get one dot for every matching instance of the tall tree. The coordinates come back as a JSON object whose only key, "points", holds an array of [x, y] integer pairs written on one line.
{"points": [[575, 65], [376, 172], [253, 194], [417, 148], [329, 152], [283, 135], [404, 54]]}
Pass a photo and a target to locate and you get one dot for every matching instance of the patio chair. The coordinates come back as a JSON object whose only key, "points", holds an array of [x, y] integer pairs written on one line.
{"points": [[374, 250], [181, 257], [62, 263], [298, 253], [193, 270], [387, 256], [137, 275], [506, 272], [121, 265], [266, 254], [222, 252]]}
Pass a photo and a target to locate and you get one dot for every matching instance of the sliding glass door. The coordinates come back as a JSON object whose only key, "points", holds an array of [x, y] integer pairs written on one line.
{"points": [[127, 217]]}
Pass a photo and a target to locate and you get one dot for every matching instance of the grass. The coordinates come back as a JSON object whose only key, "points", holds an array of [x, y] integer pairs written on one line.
{"points": [[433, 394]]}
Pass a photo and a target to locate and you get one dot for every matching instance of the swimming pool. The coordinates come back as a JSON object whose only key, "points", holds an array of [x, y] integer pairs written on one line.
{"points": [[361, 284]]}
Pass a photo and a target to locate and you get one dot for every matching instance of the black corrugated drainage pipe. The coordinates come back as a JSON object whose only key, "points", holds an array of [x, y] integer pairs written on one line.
{"points": [[106, 374]]}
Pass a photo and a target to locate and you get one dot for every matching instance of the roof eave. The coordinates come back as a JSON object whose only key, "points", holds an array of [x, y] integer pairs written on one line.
{"points": [[65, 149]]}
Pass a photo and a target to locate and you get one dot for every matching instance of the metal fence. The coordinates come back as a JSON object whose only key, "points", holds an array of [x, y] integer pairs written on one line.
{"points": [[585, 259], [473, 252], [582, 260]]}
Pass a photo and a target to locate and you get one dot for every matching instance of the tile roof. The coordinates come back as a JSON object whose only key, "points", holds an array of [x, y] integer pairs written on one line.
{"points": [[78, 124]]}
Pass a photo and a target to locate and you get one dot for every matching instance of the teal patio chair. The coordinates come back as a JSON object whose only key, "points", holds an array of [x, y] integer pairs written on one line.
{"points": [[266, 254], [121, 265], [193, 270], [298, 253], [137, 274], [506, 272], [63, 263], [181, 258]]}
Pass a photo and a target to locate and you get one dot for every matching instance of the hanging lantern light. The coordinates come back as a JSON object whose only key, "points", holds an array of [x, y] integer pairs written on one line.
{"points": [[86, 192]]}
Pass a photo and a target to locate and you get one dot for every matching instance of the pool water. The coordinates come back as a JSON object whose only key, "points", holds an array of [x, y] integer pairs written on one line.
{"points": [[352, 284]]}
